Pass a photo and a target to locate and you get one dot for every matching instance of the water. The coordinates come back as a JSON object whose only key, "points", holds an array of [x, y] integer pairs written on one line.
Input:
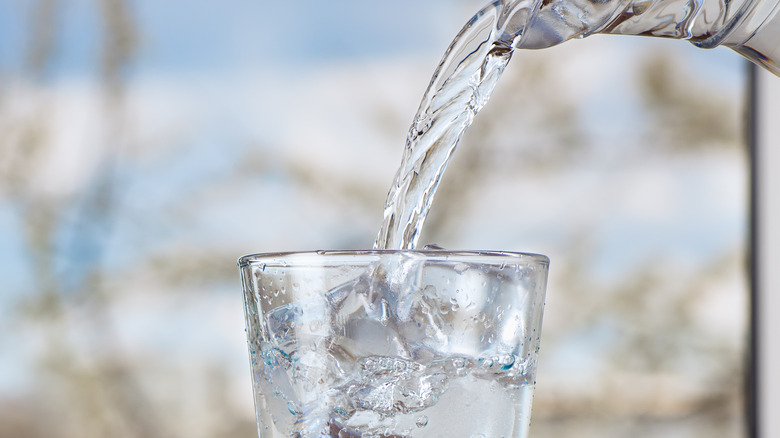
{"points": [[388, 396], [472, 65], [460, 87]]}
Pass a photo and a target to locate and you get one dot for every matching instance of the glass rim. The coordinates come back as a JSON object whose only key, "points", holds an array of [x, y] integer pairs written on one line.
{"points": [[290, 258]]}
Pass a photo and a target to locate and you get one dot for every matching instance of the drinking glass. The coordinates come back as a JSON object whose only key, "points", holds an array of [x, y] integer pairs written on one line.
{"points": [[393, 343]]}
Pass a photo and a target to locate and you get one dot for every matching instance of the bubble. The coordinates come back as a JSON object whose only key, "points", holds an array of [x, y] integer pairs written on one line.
{"points": [[422, 421], [506, 361]]}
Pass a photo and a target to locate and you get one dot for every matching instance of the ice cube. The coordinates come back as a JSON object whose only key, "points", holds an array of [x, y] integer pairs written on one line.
{"points": [[391, 385]]}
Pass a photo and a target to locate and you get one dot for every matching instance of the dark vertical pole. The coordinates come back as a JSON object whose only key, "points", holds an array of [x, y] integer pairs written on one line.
{"points": [[752, 414]]}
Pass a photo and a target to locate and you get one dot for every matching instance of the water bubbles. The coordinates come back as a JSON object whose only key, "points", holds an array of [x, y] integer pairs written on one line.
{"points": [[506, 361], [422, 421], [368, 365]]}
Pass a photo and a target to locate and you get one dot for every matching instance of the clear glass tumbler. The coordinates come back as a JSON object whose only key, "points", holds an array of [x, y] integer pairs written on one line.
{"points": [[393, 343]]}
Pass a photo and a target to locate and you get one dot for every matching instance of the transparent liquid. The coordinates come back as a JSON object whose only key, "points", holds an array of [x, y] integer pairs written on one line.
{"points": [[382, 396], [460, 87], [472, 65]]}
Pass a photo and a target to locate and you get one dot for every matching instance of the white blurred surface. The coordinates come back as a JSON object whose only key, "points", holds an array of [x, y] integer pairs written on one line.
{"points": [[768, 206]]}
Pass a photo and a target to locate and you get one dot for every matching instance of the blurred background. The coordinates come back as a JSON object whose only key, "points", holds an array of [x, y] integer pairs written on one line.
{"points": [[146, 145]]}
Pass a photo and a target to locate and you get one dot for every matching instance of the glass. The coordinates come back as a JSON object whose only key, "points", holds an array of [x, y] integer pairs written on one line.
{"points": [[393, 343]]}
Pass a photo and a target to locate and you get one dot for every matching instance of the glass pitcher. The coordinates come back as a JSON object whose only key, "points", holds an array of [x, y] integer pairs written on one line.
{"points": [[750, 27]]}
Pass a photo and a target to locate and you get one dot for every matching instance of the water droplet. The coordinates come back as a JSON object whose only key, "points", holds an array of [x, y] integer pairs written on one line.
{"points": [[506, 361], [478, 435], [422, 421], [461, 268]]}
